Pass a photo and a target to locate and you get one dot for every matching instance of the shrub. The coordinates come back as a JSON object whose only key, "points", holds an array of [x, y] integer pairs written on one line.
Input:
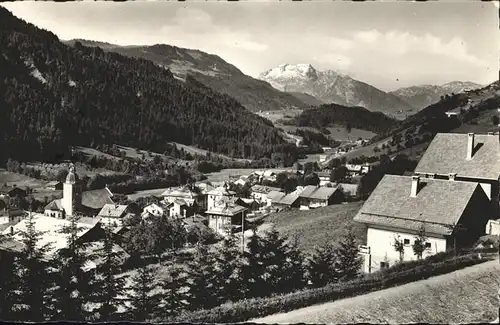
{"points": [[244, 310]]}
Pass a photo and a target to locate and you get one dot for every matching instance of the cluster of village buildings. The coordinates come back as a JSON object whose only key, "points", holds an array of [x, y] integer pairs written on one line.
{"points": [[453, 194]]}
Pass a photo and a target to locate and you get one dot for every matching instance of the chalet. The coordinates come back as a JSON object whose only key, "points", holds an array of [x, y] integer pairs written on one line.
{"points": [[186, 193], [358, 169], [156, 209], [181, 208], [493, 227], [317, 196], [225, 216], [324, 177], [465, 157], [12, 191], [240, 181], [260, 192], [76, 200], [114, 214], [54, 185], [217, 194], [451, 212]]}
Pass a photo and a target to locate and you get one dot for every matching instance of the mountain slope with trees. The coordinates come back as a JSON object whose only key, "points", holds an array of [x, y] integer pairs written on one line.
{"points": [[350, 117], [212, 71], [56, 96]]}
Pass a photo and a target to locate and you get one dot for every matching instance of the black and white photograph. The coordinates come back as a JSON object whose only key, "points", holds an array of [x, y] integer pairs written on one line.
{"points": [[256, 161]]}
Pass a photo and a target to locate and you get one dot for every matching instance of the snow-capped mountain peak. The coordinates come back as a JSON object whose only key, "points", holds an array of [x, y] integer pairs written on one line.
{"points": [[289, 71]]}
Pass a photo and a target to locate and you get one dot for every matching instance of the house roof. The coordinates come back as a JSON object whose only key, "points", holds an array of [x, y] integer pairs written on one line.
{"points": [[318, 192], [447, 153], [289, 199], [264, 189], [55, 205], [275, 196], [9, 244], [96, 199], [53, 183], [323, 174], [50, 228], [113, 210], [439, 204], [221, 190], [7, 189], [182, 192], [227, 209]]}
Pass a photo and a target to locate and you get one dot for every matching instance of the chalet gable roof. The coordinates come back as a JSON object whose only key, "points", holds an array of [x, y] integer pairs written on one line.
{"points": [[447, 153]]}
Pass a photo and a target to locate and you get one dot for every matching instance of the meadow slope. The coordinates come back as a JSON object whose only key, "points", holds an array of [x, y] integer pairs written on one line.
{"points": [[464, 296]]}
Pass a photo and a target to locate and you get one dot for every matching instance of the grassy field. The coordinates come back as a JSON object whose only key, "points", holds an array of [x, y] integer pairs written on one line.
{"points": [[226, 174], [318, 226], [463, 296], [23, 181], [138, 194]]}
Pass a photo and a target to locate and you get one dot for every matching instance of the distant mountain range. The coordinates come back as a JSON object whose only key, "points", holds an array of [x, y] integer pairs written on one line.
{"points": [[333, 87], [213, 72], [424, 95]]}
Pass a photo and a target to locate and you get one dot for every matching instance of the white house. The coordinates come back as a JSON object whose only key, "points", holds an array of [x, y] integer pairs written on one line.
{"points": [[155, 209], [260, 192], [451, 212], [113, 214], [218, 194]]}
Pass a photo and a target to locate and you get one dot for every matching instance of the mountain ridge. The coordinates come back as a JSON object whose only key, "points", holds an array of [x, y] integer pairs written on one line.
{"points": [[212, 71], [333, 87]]}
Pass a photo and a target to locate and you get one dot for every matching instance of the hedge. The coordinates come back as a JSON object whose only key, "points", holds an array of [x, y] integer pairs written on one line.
{"points": [[246, 309]]}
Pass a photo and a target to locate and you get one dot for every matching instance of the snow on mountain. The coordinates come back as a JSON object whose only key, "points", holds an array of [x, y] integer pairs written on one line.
{"points": [[422, 96], [334, 87]]}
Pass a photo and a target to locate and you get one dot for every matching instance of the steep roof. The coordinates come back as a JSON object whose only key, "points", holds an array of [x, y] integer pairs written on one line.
{"points": [[275, 196], [227, 209], [318, 192], [113, 210], [221, 190], [54, 206], [50, 227], [447, 153], [264, 189], [182, 192], [289, 199], [96, 199], [439, 204]]}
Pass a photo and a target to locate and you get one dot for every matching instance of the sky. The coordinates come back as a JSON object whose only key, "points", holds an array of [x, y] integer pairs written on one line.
{"points": [[388, 44]]}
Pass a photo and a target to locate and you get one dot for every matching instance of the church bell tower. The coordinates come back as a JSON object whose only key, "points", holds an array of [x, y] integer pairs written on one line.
{"points": [[72, 192]]}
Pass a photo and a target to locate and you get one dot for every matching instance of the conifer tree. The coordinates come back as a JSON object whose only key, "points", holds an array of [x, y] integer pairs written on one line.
{"points": [[321, 265], [202, 275], [36, 280], [253, 267], [9, 278], [348, 262], [109, 286], [73, 278], [228, 268], [144, 302], [174, 296]]}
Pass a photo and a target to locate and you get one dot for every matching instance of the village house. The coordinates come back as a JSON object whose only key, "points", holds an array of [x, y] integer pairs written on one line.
{"points": [[317, 196], [465, 157], [114, 214], [260, 192], [54, 185], [189, 194], [324, 178], [181, 208], [12, 192], [280, 200], [451, 212], [218, 194], [74, 199], [349, 189], [226, 216], [358, 169], [156, 210]]}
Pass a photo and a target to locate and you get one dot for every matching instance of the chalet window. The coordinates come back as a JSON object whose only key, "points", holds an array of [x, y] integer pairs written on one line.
{"points": [[427, 245], [406, 241], [384, 265]]}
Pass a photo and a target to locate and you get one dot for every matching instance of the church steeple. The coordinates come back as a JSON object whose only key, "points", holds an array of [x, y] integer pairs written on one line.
{"points": [[72, 192]]}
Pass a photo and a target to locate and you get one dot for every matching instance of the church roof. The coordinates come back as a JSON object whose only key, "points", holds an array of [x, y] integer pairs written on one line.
{"points": [[54, 205]]}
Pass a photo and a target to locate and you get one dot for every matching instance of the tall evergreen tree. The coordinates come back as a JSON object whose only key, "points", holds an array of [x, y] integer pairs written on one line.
{"points": [[348, 262], [9, 279], [228, 268], [321, 265], [253, 267], [144, 302], [72, 277], [109, 286], [203, 283], [36, 281], [174, 295]]}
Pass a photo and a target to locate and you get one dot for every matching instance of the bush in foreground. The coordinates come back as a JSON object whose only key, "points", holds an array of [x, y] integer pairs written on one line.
{"points": [[258, 307]]}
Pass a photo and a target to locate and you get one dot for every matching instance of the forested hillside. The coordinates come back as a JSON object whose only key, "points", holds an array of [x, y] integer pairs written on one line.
{"points": [[354, 117], [56, 96]]}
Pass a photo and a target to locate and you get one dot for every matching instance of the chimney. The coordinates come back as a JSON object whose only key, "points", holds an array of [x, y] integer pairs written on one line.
{"points": [[415, 181], [451, 176], [470, 145]]}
